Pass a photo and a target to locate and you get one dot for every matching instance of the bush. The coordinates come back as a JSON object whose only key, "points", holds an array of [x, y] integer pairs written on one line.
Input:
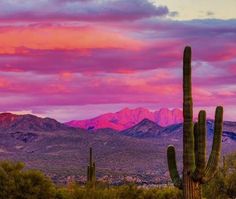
{"points": [[223, 185], [16, 183], [19, 183], [120, 192]]}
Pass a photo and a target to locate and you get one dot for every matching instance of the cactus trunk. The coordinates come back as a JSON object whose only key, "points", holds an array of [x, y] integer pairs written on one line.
{"points": [[191, 189], [91, 169], [188, 136], [195, 170]]}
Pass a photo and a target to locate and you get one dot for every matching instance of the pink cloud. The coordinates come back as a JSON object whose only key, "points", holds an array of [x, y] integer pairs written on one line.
{"points": [[75, 64], [99, 89]]}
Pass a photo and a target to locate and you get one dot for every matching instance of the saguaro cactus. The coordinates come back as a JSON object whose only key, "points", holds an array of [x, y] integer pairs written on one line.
{"points": [[91, 170], [195, 169]]}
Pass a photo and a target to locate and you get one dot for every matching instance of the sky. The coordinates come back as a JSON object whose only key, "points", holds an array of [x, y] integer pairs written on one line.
{"points": [[76, 59]]}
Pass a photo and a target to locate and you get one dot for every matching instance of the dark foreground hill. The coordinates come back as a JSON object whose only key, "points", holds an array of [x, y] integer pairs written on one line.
{"points": [[62, 151]]}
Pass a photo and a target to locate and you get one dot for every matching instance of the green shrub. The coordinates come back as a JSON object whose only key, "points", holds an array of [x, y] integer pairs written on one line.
{"points": [[62, 193], [19, 183], [119, 192], [16, 183], [224, 184]]}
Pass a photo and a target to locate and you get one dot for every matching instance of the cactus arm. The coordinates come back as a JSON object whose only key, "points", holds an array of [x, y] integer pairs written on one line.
{"points": [[173, 167], [196, 141], [214, 158], [200, 146], [188, 136]]}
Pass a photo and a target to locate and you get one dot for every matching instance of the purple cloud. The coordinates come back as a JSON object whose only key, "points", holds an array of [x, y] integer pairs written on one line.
{"points": [[82, 10]]}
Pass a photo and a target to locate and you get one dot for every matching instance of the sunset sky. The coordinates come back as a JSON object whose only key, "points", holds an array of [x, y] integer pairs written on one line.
{"points": [[75, 59]]}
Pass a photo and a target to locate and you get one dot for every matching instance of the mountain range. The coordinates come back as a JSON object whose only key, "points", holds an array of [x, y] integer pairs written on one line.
{"points": [[12, 122], [61, 150], [127, 118]]}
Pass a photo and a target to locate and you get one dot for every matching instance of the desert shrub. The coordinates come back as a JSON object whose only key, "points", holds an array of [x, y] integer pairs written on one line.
{"points": [[162, 193], [223, 185], [17, 183], [63, 193], [119, 192]]}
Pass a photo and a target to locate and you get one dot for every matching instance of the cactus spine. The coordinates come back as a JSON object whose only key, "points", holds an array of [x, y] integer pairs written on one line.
{"points": [[91, 170], [195, 169]]}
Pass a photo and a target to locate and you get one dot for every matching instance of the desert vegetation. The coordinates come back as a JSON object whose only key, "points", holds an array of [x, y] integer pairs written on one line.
{"points": [[17, 182], [224, 183]]}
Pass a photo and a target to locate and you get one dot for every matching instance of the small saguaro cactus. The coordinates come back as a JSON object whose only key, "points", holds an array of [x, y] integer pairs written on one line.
{"points": [[195, 169], [91, 170]]}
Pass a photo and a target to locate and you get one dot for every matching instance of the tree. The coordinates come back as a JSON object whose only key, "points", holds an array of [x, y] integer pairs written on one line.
{"points": [[17, 183]]}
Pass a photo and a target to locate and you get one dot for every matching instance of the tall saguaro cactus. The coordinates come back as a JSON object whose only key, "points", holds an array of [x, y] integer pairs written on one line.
{"points": [[91, 170], [195, 169]]}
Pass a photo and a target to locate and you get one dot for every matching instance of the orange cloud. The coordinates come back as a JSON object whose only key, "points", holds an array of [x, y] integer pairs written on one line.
{"points": [[4, 83], [50, 38], [66, 75]]}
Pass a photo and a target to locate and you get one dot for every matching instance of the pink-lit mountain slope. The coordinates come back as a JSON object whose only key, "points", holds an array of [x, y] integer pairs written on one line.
{"points": [[127, 118]]}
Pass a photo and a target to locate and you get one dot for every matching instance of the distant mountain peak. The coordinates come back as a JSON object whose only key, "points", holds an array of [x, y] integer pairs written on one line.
{"points": [[147, 121], [28, 122], [7, 115], [126, 118], [164, 110], [144, 129], [124, 110]]}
